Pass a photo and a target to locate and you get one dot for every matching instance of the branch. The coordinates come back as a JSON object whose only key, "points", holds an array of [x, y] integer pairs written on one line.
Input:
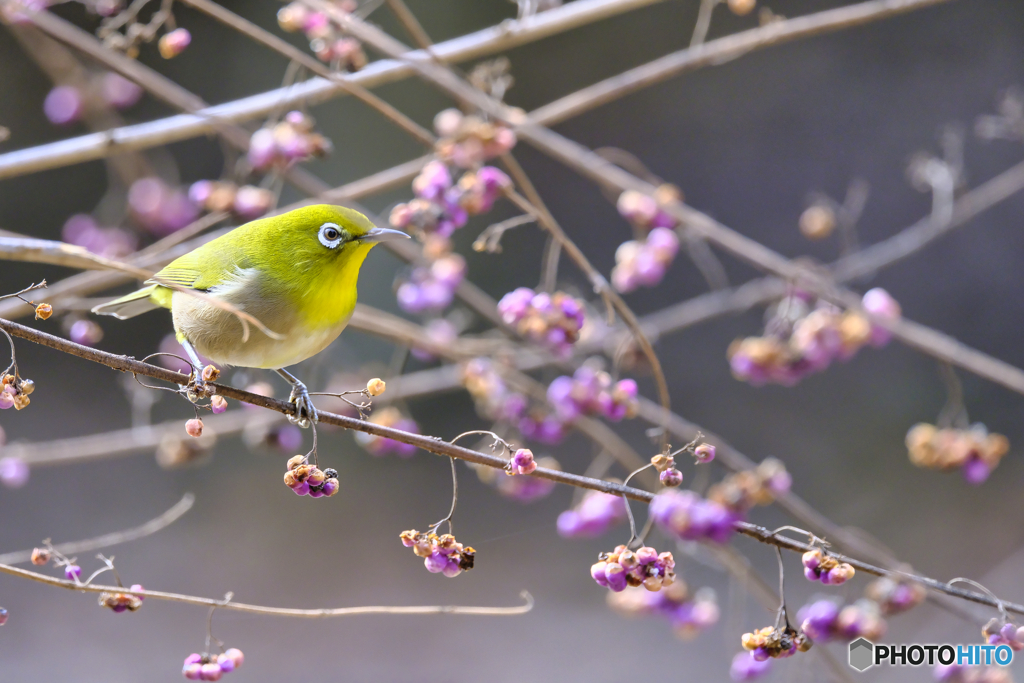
{"points": [[433, 445], [115, 538], [270, 611], [505, 36], [275, 43]]}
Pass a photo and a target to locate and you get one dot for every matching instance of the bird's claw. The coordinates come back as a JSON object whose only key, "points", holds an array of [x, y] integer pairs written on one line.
{"points": [[305, 412]]}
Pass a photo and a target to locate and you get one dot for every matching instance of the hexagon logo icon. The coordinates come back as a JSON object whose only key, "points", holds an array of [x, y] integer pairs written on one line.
{"points": [[862, 654]]}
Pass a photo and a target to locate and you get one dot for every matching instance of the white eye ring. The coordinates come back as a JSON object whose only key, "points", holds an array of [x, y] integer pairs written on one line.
{"points": [[330, 235]]}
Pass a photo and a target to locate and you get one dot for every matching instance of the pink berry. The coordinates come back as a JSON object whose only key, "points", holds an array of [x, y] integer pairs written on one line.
{"points": [[704, 452], [193, 672], [194, 428], [210, 672], [119, 92], [174, 43], [671, 477]]}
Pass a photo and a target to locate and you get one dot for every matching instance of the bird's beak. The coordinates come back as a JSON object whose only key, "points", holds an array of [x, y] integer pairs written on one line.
{"points": [[383, 235]]}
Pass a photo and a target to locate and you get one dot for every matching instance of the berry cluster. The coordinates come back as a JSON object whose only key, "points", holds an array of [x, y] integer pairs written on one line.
{"points": [[522, 462], [432, 288], [209, 667], [121, 602], [442, 206], [81, 230], [246, 202], [591, 392], [310, 480], [467, 140], [819, 566], [999, 632], [622, 567], [379, 445], [894, 597], [595, 514], [687, 516], [288, 142], [326, 42], [773, 643], [496, 401], [644, 212], [644, 262], [159, 208], [825, 620], [688, 615], [975, 451], [66, 104], [759, 486], [554, 320], [801, 340], [15, 392], [441, 554], [668, 474]]}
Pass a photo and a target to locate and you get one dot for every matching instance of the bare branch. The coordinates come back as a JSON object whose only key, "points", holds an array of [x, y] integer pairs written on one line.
{"points": [[116, 538]]}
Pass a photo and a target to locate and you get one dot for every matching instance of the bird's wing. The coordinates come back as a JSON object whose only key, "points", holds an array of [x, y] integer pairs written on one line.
{"points": [[205, 267]]}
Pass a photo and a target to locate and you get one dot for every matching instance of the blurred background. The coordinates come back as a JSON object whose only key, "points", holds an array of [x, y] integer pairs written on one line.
{"points": [[747, 142]]}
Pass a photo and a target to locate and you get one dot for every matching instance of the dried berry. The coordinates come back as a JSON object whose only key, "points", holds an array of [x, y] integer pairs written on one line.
{"points": [[375, 387]]}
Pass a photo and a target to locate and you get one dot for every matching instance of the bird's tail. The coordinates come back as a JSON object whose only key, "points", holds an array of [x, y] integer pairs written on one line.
{"points": [[130, 305]]}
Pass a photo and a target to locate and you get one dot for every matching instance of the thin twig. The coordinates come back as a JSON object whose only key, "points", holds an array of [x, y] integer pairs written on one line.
{"points": [[271, 611], [116, 538], [267, 38], [438, 447]]}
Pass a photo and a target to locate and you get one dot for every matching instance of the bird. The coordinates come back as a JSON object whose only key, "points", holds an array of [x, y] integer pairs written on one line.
{"points": [[295, 272]]}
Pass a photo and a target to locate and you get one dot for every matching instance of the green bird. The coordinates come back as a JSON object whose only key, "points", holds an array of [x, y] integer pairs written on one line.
{"points": [[296, 273]]}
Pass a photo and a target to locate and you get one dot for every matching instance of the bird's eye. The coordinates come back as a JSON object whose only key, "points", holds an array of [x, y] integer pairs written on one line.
{"points": [[330, 235]]}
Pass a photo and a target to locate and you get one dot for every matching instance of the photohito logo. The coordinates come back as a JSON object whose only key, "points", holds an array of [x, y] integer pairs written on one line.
{"points": [[864, 654]]}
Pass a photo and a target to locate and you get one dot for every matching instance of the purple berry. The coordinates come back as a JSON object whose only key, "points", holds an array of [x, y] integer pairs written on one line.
{"points": [[975, 470], [435, 562], [72, 572], [671, 477], [63, 105], [14, 472], [119, 92]]}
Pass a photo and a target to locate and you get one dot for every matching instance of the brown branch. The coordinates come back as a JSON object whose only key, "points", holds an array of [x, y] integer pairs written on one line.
{"points": [[268, 39], [269, 611], [182, 127], [438, 447], [719, 51], [507, 35], [116, 538]]}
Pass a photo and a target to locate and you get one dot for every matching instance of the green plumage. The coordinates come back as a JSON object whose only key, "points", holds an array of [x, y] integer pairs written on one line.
{"points": [[281, 270]]}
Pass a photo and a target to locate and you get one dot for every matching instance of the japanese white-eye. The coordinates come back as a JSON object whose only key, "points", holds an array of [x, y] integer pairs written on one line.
{"points": [[296, 273]]}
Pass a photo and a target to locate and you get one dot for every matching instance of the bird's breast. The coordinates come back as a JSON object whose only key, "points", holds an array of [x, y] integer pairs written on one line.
{"points": [[218, 334]]}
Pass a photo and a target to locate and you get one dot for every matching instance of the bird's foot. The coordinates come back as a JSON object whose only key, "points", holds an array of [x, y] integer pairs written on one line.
{"points": [[305, 411]]}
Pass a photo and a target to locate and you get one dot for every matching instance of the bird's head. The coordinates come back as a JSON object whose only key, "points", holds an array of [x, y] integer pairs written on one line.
{"points": [[322, 237]]}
